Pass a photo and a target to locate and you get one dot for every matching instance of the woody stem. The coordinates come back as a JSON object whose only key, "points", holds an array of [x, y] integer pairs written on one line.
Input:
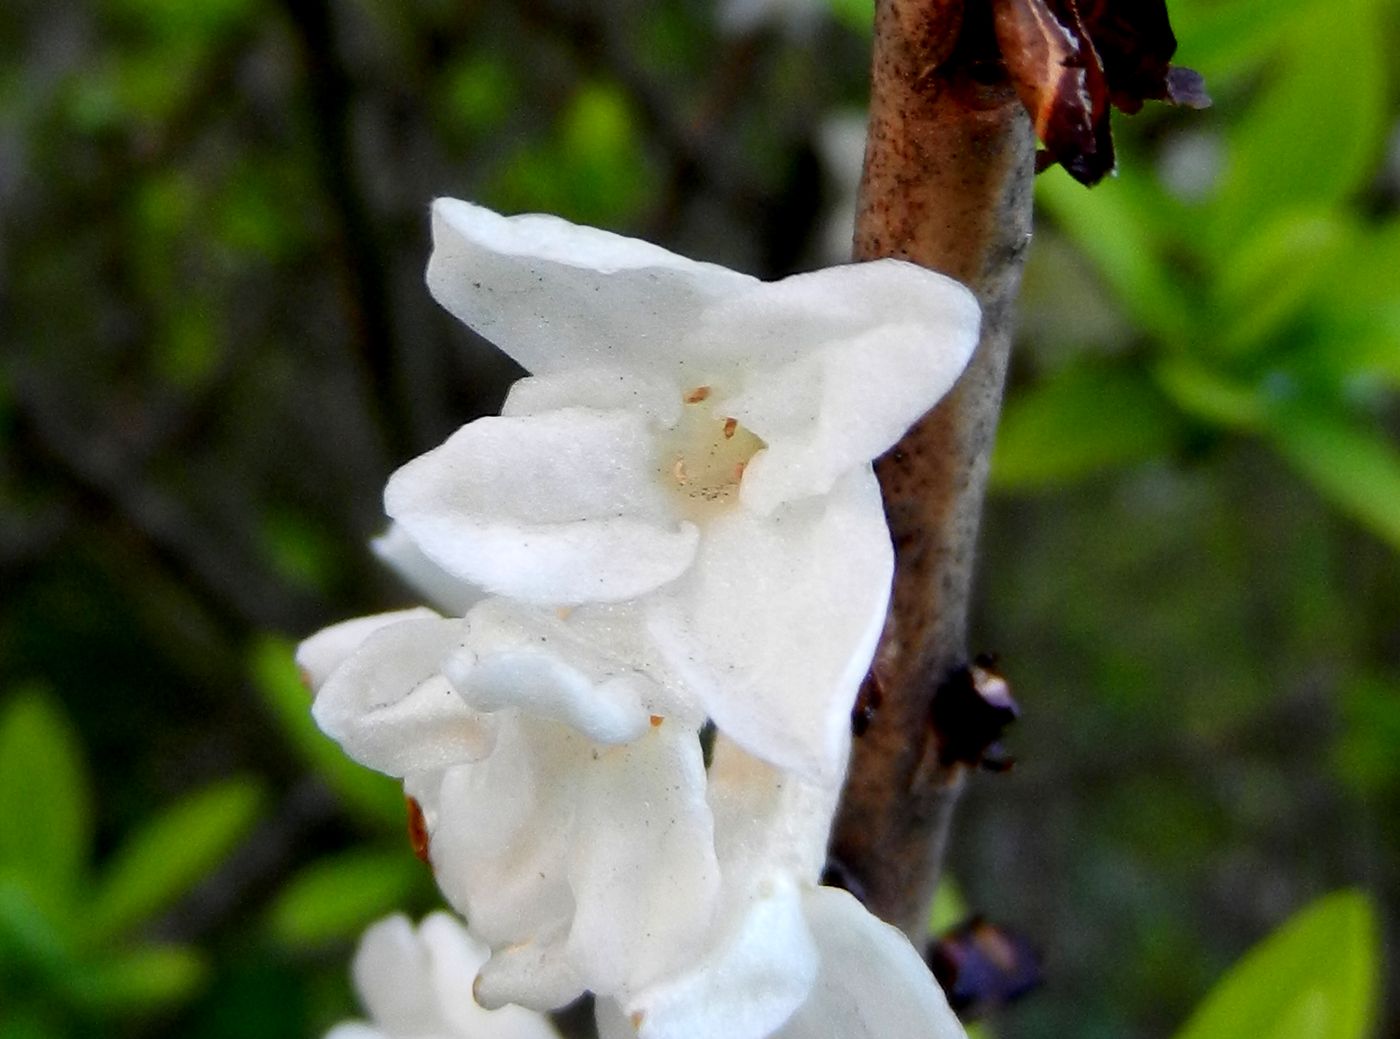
{"points": [[947, 184]]}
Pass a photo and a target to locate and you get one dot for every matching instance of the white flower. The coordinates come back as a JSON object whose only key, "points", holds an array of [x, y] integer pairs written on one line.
{"points": [[693, 440], [786, 958], [588, 846], [858, 978], [674, 519], [417, 985], [562, 788]]}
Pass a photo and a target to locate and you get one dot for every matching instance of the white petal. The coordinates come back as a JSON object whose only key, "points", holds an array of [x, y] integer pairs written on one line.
{"points": [[851, 357], [603, 389], [391, 972], [782, 321], [556, 508], [524, 657], [767, 818], [319, 655], [450, 594], [389, 707], [872, 983], [642, 864], [500, 843], [746, 985], [775, 626], [557, 296], [457, 957], [621, 629], [537, 974], [418, 985], [541, 684]]}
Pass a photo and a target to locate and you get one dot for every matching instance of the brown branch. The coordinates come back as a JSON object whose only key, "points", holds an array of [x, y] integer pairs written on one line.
{"points": [[359, 258], [947, 184]]}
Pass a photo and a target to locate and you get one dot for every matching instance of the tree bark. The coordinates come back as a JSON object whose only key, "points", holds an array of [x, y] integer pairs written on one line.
{"points": [[947, 184]]}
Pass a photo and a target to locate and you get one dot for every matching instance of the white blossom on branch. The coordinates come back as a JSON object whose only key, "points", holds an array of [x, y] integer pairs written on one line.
{"points": [[674, 520], [693, 440]]}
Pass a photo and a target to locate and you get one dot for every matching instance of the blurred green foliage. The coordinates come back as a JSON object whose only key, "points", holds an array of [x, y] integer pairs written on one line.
{"points": [[1266, 294], [217, 345], [71, 955], [1316, 976]]}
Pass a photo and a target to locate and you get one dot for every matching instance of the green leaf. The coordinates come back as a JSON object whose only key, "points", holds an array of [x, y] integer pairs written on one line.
{"points": [[171, 854], [1364, 753], [857, 14], [336, 897], [27, 936], [1112, 224], [1354, 466], [1313, 978], [1367, 279], [1228, 37], [1207, 394], [44, 799], [1274, 273], [376, 798], [29, 1023], [1315, 135], [141, 980], [1080, 421]]}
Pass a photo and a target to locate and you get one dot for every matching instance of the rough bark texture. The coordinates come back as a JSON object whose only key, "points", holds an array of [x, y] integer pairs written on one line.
{"points": [[947, 184]]}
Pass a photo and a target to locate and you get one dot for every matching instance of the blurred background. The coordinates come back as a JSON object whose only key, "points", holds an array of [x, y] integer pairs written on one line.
{"points": [[215, 345]]}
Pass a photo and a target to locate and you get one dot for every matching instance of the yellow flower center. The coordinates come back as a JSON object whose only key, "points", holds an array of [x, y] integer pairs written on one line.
{"points": [[705, 455]]}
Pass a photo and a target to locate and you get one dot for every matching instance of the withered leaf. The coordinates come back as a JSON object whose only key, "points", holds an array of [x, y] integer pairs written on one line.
{"points": [[1070, 60], [1059, 79], [982, 966], [1135, 42]]}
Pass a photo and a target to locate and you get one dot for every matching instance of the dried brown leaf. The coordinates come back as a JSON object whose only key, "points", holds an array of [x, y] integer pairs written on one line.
{"points": [[1070, 60]]}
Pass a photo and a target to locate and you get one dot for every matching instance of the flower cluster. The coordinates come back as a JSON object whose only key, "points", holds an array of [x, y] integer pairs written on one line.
{"points": [[659, 577], [412, 982]]}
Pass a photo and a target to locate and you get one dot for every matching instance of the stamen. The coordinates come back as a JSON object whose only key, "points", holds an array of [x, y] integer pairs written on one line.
{"points": [[739, 468], [678, 472], [656, 721], [696, 395], [730, 425]]}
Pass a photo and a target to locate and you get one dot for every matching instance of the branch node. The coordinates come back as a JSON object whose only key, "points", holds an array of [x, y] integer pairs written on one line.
{"points": [[969, 712]]}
